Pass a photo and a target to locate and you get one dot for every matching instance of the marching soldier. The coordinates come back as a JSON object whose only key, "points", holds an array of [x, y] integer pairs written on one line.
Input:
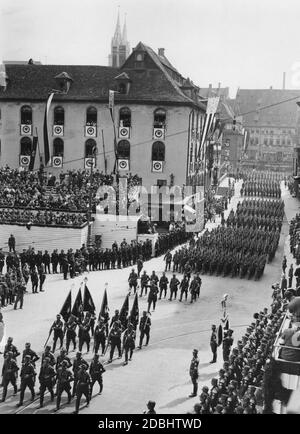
{"points": [[173, 287], [29, 352], [82, 387], [63, 356], [168, 259], [27, 379], [76, 366], [132, 281], [46, 377], [70, 328], [64, 377], [154, 278], [84, 332], [227, 344], [184, 285], [116, 318], [47, 354], [9, 374], [9, 347], [114, 338], [57, 328], [194, 372], [128, 342], [20, 289], [144, 282], [291, 274], [139, 265], [100, 337], [152, 297], [213, 343], [34, 280], [145, 324], [96, 371], [163, 285]]}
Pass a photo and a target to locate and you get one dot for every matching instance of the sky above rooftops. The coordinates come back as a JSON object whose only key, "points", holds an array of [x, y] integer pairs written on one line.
{"points": [[239, 43]]}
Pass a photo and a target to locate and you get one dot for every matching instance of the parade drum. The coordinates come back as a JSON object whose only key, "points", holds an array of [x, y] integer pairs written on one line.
{"points": [[220, 335]]}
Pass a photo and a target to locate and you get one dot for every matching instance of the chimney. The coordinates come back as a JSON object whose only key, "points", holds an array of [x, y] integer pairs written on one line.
{"points": [[283, 83], [161, 51], [271, 87], [209, 89]]}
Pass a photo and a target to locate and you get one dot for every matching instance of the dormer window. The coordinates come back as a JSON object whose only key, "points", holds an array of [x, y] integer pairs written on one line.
{"points": [[123, 83], [139, 60], [122, 88]]}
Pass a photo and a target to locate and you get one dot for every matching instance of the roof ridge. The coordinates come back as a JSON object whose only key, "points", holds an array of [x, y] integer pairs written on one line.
{"points": [[155, 58]]}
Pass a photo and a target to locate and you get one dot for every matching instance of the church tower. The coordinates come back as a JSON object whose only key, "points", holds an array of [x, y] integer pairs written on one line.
{"points": [[120, 48]]}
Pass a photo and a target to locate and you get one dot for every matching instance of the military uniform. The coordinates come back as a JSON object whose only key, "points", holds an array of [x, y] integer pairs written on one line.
{"points": [[213, 344], [100, 337], [27, 379], [115, 341], [144, 327], [128, 343], [152, 297], [96, 371], [163, 286], [194, 372], [82, 387], [173, 287], [57, 328], [9, 375], [46, 377], [64, 377], [70, 327]]}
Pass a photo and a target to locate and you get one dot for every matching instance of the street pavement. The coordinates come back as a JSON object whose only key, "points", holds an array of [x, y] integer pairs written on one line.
{"points": [[159, 372]]}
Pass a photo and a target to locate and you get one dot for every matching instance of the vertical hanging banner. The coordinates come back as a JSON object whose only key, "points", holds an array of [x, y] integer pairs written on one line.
{"points": [[45, 129], [33, 153], [194, 211], [111, 100], [211, 109]]}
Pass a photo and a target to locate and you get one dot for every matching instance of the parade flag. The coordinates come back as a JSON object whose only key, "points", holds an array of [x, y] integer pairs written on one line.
{"points": [[124, 312], [88, 303], [33, 152], [104, 306], [65, 311], [77, 304], [134, 314], [45, 129], [212, 106]]}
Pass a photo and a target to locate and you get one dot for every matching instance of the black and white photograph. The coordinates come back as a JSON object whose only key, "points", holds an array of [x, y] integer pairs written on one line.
{"points": [[149, 210]]}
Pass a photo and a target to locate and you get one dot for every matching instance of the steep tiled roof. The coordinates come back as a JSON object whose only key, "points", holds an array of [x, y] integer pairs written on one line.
{"points": [[284, 114], [34, 82]]}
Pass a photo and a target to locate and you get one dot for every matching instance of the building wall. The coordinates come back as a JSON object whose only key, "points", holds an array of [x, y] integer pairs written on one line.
{"points": [[271, 147], [141, 138]]}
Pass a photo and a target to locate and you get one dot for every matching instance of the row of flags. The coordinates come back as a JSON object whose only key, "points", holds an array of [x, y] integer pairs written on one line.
{"points": [[86, 304]]}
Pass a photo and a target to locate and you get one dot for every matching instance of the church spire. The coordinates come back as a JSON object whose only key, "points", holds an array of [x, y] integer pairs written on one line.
{"points": [[117, 36], [124, 33]]}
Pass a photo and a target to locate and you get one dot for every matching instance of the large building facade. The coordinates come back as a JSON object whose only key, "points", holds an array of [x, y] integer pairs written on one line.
{"points": [[270, 116], [153, 129]]}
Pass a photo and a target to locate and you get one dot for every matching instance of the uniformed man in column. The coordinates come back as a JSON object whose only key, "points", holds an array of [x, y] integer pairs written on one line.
{"points": [[57, 328], [70, 327], [96, 371], [46, 378], [213, 343], [194, 372], [83, 387], [27, 379], [129, 342], [145, 324], [9, 374], [100, 337]]}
